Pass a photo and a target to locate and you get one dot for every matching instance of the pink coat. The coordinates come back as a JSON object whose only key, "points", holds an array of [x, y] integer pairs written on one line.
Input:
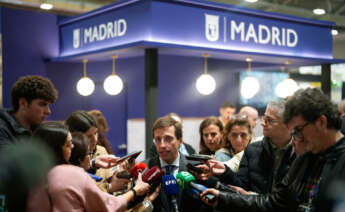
{"points": [[71, 189]]}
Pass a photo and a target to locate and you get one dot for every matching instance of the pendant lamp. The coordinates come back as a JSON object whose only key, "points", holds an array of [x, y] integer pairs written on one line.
{"points": [[205, 84], [113, 83], [85, 85], [288, 86], [250, 86]]}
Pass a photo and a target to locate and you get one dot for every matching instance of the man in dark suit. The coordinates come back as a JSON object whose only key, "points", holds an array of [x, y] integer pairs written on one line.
{"points": [[167, 134]]}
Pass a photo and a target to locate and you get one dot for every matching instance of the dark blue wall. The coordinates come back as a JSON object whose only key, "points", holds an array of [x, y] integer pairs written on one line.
{"points": [[117, 109], [28, 39], [177, 90]]}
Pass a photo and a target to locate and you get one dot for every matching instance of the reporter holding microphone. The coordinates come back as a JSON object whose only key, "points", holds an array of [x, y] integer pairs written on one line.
{"points": [[69, 187]]}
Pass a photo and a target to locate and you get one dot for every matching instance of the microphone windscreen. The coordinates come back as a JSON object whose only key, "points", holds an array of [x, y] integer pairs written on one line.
{"points": [[152, 175], [211, 182], [170, 184], [140, 167], [184, 179]]}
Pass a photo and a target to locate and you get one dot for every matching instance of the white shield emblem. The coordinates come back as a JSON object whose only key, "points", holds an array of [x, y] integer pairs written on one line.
{"points": [[212, 27], [76, 38]]}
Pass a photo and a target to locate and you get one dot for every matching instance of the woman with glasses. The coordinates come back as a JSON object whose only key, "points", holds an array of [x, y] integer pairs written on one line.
{"points": [[68, 187], [236, 136], [210, 135]]}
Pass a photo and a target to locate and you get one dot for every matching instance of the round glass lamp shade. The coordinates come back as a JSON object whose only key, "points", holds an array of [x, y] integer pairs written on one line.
{"points": [[249, 87], [85, 86], [286, 88], [113, 85], [205, 84]]}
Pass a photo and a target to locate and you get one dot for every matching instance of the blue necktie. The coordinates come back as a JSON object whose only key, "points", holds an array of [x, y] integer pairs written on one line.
{"points": [[169, 169]]}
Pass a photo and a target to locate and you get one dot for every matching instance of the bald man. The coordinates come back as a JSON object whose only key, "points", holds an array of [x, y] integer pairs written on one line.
{"points": [[253, 117], [251, 113]]}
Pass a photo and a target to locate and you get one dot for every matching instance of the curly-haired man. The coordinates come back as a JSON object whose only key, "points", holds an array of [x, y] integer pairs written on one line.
{"points": [[31, 97]]}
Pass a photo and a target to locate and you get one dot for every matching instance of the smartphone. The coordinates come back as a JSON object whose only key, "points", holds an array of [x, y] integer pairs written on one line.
{"points": [[192, 167], [130, 156], [198, 157]]}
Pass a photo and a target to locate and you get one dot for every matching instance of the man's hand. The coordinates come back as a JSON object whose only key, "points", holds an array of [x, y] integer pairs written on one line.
{"points": [[216, 167], [117, 184], [154, 195], [239, 190], [210, 191], [141, 188], [106, 161], [206, 172]]}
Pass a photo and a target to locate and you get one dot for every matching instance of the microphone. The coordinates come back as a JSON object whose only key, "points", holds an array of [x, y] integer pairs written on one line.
{"points": [[153, 177], [213, 182], [193, 193], [186, 180], [140, 167], [171, 189], [96, 178]]}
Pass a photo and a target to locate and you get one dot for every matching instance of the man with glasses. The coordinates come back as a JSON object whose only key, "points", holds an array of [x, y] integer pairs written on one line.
{"points": [[315, 122], [167, 135], [265, 162]]}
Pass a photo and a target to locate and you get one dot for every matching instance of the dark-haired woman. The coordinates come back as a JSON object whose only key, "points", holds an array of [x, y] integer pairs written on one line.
{"points": [[210, 135], [69, 187], [80, 155], [81, 121], [236, 137], [102, 126]]}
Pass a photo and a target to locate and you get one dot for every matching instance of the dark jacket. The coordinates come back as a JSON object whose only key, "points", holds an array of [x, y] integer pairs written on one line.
{"points": [[283, 197], [10, 130], [256, 168], [185, 201]]}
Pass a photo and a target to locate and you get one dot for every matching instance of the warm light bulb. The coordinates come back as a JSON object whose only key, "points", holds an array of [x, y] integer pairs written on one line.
{"points": [[46, 6], [334, 32], [85, 86], [113, 84], [319, 11], [249, 87], [286, 88], [205, 84]]}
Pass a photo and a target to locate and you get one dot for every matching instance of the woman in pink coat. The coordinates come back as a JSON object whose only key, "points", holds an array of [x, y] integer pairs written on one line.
{"points": [[70, 188]]}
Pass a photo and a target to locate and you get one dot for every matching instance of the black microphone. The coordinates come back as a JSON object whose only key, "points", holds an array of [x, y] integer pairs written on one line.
{"points": [[213, 182], [171, 189]]}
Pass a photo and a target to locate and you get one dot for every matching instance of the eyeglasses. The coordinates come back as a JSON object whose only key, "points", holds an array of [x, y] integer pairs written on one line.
{"points": [[297, 133], [268, 120], [167, 139]]}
